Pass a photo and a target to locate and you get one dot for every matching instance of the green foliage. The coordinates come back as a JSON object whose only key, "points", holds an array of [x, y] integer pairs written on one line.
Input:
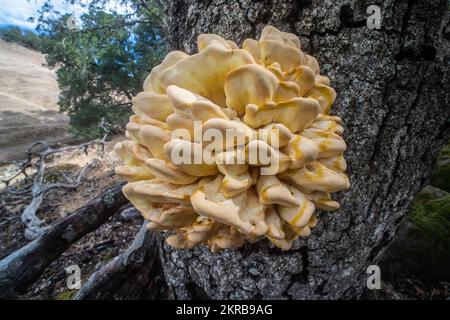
{"points": [[103, 64], [432, 215], [441, 175], [445, 152], [26, 38]]}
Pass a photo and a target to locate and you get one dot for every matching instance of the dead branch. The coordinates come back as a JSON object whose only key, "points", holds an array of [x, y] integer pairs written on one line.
{"points": [[38, 155], [29, 218], [24, 266], [23, 165], [130, 275]]}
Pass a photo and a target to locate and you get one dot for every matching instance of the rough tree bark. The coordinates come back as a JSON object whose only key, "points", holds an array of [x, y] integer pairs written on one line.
{"points": [[393, 95], [133, 274]]}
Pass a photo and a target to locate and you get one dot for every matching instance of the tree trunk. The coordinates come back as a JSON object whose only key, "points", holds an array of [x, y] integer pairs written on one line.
{"points": [[393, 96]]}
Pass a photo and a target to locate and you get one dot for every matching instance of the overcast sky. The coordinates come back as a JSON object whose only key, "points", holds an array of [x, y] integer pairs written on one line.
{"points": [[17, 12]]}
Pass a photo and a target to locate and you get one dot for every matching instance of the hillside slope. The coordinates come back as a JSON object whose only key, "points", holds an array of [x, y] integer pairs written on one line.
{"points": [[28, 101]]}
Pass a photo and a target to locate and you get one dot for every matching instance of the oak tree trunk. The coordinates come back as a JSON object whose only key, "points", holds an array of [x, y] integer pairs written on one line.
{"points": [[393, 89]]}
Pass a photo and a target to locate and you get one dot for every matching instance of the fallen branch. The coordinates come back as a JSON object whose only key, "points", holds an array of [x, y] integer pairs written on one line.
{"points": [[38, 154], [33, 223], [130, 214], [24, 266], [23, 166], [130, 275]]}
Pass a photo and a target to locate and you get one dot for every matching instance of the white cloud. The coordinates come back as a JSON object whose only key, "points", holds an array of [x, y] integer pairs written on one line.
{"points": [[17, 12]]}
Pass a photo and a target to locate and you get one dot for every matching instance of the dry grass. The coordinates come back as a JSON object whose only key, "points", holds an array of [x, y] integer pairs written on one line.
{"points": [[28, 101]]}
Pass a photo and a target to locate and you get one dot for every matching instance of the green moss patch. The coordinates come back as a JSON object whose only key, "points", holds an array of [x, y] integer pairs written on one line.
{"points": [[441, 177], [441, 174], [432, 214]]}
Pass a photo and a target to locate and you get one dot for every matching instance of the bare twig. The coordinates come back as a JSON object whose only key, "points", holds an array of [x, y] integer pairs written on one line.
{"points": [[23, 165], [33, 223], [38, 154]]}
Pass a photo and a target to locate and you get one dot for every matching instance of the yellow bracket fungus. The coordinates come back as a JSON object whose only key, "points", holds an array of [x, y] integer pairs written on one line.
{"points": [[270, 105]]}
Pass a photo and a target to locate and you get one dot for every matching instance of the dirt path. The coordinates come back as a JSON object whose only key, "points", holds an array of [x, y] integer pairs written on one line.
{"points": [[28, 102]]}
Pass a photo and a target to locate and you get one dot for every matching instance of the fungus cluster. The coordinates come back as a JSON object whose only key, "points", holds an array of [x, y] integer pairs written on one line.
{"points": [[269, 99]]}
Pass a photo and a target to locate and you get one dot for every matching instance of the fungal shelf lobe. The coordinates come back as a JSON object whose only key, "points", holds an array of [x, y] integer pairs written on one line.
{"points": [[232, 144]]}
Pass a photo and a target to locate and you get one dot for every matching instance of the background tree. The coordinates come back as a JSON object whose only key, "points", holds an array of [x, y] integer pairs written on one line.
{"points": [[102, 64], [393, 87], [26, 38]]}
